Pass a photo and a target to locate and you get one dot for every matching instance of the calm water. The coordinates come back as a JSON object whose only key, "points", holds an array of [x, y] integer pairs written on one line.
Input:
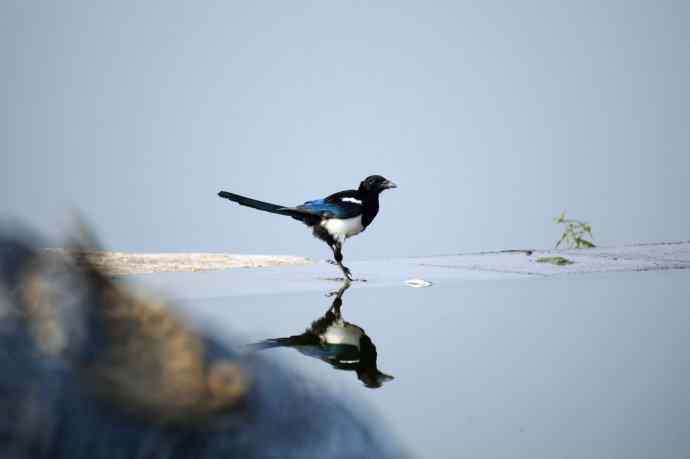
{"points": [[594, 366]]}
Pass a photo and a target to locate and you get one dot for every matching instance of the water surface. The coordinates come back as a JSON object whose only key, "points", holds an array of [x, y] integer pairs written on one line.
{"points": [[592, 366]]}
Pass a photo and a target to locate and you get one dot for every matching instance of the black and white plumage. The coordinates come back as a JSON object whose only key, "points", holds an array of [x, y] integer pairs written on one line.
{"points": [[341, 344], [334, 218]]}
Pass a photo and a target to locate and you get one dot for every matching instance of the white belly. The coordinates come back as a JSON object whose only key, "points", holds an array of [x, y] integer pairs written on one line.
{"points": [[342, 229], [340, 333]]}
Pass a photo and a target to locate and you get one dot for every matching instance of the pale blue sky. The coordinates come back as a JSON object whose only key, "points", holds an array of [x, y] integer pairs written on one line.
{"points": [[491, 116]]}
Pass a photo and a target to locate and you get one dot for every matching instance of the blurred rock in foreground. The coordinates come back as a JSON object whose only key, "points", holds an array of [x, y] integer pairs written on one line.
{"points": [[89, 370]]}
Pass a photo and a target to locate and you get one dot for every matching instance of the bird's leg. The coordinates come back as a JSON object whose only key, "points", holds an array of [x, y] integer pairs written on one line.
{"points": [[338, 300], [338, 254], [335, 307]]}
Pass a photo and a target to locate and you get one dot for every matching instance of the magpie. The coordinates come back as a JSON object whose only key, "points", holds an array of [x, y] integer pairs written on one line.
{"points": [[334, 218], [343, 345]]}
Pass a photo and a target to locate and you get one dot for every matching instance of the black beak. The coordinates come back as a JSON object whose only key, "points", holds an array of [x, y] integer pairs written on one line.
{"points": [[388, 184]]}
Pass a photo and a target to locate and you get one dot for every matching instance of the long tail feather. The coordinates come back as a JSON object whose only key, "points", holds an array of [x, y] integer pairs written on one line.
{"points": [[253, 203], [309, 218]]}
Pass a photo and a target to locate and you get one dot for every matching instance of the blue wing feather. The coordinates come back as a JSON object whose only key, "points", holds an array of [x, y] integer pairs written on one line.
{"points": [[331, 209]]}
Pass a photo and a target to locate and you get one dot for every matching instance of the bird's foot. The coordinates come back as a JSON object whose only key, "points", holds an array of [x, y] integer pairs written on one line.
{"points": [[342, 279], [347, 273], [340, 291]]}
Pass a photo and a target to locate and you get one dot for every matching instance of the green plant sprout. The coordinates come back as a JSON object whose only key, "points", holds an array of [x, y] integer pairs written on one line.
{"points": [[575, 233], [558, 261]]}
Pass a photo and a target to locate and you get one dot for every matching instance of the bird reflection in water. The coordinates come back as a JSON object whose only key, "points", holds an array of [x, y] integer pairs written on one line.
{"points": [[341, 344]]}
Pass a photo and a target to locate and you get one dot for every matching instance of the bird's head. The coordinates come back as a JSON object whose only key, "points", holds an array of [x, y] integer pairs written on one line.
{"points": [[376, 184]]}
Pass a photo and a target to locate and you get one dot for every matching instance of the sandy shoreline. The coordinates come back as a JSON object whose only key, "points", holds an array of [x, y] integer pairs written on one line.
{"points": [[195, 275], [123, 263], [637, 257]]}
